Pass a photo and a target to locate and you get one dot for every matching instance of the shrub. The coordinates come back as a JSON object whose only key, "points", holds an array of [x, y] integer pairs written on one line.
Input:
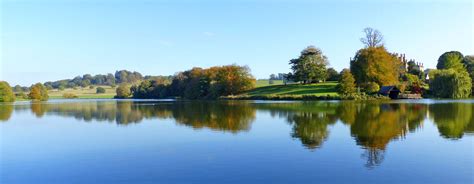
{"points": [[21, 95], [123, 91], [69, 95], [373, 87], [38, 92], [6, 92], [91, 87], [100, 90]]}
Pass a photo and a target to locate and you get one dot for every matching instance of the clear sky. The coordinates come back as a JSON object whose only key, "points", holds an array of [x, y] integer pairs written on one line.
{"points": [[44, 40]]}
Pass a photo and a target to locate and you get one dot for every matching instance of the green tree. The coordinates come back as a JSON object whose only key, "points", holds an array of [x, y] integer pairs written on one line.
{"points": [[469, 64], [100, 90], [414, 69], [375, 64], [451, 60], [17, 89], [346, 86], [450, 83], [38, 92], [6, 92], [452, 79], [123, 91], [452, 119], [373, 87], [310, 66], [332, 74]]}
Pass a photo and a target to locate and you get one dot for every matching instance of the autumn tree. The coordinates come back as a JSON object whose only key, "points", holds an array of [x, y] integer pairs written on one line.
{"points": [[375, 64], [38, 92], [231, 80], [310, 66], [199, 83], [123, 91], [6, 92]]}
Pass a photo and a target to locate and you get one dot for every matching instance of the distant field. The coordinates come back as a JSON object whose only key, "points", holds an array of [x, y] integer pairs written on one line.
{"points": [[85, 93], [320, 89], [266, 82]]}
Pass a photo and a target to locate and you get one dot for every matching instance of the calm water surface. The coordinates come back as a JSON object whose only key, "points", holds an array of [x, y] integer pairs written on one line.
{"points": [[108, 141]]}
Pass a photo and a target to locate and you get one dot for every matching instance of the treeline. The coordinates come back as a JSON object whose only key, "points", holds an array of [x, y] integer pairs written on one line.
{"points": [[197, 83], [373, 67], [37, 92], [122, 76]]}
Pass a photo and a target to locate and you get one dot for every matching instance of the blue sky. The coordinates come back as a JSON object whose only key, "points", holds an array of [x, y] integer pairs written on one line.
{"points": [[52, 40]]}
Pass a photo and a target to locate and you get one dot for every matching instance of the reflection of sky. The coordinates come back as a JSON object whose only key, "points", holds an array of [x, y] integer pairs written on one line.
{"points": [[55, 148]]}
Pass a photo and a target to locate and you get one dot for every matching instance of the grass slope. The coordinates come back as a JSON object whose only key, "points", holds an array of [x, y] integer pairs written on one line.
{"points": [[319, 89], [84, 93], [266, 82]]}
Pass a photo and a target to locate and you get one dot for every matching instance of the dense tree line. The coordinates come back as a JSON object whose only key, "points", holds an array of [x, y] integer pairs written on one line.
{"points": [[198, 83], [373, 66], [122, 76]]}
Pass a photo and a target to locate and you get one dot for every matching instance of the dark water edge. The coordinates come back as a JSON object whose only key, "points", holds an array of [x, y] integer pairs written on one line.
{"points": [[167, 141]]}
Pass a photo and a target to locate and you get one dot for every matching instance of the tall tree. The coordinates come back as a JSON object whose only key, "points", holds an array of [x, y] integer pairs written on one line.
{"points": [[452, 79], [373, 38], [310, 66], [375, 64], [451, 60], [346, 84]]}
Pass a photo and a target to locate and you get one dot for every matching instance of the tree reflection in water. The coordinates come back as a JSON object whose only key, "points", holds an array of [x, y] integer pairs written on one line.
{"points": [[453, 119], [6, 111], [375, 124], [372, 124]]}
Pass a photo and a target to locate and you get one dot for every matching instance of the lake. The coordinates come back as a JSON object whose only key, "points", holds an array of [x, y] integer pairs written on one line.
{"points": [[146, 141]]}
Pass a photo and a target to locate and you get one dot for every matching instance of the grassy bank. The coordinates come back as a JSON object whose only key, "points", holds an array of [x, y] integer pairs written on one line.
{"points": [[83, 93], [319, 91], [266, 82]]}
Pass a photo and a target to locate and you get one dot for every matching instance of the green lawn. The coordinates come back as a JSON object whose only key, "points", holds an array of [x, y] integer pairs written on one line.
{"points": [[266, 82], [319, 89], [84, 93]]}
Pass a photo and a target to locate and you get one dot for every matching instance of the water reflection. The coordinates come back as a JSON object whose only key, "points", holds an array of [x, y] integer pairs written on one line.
{"points": [[373, 125], [310, 120], [453, 120], [5, 112]]}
